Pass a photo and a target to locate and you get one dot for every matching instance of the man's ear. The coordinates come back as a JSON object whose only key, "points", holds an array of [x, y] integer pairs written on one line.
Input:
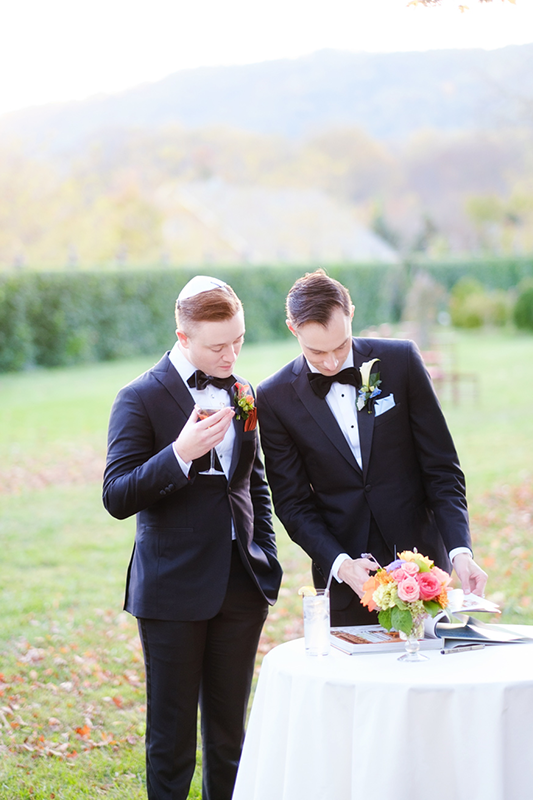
{"points": [[353, 309], [289, 326], [182, 338]]}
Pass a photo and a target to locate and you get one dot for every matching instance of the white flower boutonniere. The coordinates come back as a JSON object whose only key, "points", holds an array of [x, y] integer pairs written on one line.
{"points": [[369, 386]]}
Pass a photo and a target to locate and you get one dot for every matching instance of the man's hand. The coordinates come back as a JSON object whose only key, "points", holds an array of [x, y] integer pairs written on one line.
{"points": [[472, 577], [355, 572], [199, 437]]}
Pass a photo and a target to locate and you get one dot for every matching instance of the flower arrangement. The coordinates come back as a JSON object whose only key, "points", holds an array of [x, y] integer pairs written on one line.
{"points": [[406, 591], [369, 386], [245, 405], [244, 400]]}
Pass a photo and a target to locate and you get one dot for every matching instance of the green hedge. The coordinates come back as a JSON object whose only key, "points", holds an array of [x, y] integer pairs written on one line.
{"points": [[493, 273], [523, 310], [60, 318]]}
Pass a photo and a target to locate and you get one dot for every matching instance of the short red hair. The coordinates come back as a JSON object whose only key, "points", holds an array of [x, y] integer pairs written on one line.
{"points": [[215, 305]]}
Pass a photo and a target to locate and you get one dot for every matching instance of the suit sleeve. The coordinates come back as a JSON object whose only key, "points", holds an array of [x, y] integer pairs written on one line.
{"points": [[294, 500], [135, 476]]}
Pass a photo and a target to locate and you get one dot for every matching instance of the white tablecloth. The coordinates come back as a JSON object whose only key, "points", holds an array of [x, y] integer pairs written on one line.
{"points": [[368, 727]]}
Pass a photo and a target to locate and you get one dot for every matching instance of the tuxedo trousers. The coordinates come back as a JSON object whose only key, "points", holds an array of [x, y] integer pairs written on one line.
{"points": [[209, 663]]}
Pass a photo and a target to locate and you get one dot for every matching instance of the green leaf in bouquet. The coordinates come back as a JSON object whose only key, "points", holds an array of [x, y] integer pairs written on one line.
{"points": [[401, 620], [384, 618], [432, 607], [422, 565]]}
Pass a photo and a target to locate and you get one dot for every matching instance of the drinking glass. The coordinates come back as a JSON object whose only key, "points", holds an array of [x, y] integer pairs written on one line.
{"points": [[203, 413], [316, 623]]}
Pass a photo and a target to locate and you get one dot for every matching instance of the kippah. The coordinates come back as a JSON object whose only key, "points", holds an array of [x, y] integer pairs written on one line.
{"points": [[199, 284]]}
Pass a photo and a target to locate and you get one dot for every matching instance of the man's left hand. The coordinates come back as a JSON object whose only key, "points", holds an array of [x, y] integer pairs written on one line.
{"points": [[472, 577]]}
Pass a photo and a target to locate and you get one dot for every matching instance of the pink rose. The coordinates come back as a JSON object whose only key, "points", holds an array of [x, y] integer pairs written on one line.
{"points": [[408, 570], [399, 574], [442, 576], [430, 585], [408, 590]]}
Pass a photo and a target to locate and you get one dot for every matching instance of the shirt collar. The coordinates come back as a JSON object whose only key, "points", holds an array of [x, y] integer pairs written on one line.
{"points": [[183, 366]]}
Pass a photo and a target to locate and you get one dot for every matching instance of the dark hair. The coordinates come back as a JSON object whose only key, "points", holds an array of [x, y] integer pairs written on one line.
{"points": [[215, 305], [315, 297]]}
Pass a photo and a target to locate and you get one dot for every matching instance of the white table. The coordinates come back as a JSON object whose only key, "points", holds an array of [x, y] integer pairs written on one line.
{"points": [[368, 727]]}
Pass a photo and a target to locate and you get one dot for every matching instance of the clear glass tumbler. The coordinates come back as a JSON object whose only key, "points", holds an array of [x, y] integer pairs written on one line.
{"points": [[316, 623]]}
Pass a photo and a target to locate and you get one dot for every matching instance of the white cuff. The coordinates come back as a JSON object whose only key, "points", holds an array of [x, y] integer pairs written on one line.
{"points": [[185, 465], [336, 564], [457, 550]]}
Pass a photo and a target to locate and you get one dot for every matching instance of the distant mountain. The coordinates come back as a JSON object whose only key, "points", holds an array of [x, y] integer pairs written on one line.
{"points": [[388, 94]]}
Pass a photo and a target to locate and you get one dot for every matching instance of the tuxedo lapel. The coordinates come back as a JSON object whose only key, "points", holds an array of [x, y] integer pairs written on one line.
{"points": [[321, 412], [169, 377], [238, 426], [365, 421]]}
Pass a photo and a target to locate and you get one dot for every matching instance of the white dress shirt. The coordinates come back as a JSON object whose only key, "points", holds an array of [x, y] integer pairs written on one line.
{"points": [[341, 399], [210, 397]]}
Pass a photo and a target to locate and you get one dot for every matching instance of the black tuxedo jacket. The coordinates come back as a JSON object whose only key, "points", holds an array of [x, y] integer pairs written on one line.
{"points": [[181, 559], [411, 481]]}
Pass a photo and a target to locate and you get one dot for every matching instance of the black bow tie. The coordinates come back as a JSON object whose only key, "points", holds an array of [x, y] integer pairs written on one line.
{"points": [[321, 384], [199, 380]]}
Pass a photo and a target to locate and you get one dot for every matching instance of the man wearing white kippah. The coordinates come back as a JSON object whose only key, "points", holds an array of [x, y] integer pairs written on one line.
{"points": [[183, 456]]}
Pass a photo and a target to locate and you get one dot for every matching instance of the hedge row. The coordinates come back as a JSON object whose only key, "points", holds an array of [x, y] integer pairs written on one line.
{"points": [[493, 273], [60, 318]]}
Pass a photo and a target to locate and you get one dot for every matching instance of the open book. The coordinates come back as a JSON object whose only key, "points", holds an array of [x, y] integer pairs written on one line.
{"points": [[446, 630], [453, 627], [461, 603], [355, 639], [471, 630]]}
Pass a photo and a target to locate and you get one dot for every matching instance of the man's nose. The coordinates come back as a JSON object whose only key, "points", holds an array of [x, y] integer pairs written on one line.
{"points": [[330, 362], [230, 355]]}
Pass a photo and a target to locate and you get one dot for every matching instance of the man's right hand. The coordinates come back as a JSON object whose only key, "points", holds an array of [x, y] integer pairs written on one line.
{"points": [[355, 572], [198, 437]]}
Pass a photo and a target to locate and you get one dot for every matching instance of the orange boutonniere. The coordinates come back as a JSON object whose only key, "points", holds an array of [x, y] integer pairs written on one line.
{"points": [[245, 406]]}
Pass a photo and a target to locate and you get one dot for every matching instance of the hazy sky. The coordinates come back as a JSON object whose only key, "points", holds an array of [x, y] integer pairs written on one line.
{"points": [[70, 49]]}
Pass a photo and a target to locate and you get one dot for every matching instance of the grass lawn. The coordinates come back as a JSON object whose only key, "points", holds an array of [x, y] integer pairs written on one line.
{"points": [[71, 673]]}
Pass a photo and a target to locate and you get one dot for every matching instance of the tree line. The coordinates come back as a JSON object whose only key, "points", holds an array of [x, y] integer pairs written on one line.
{"points": [[436, 194]]}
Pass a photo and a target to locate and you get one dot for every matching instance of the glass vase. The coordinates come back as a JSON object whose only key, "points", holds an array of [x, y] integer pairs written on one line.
{"points": [[412, 643]]}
